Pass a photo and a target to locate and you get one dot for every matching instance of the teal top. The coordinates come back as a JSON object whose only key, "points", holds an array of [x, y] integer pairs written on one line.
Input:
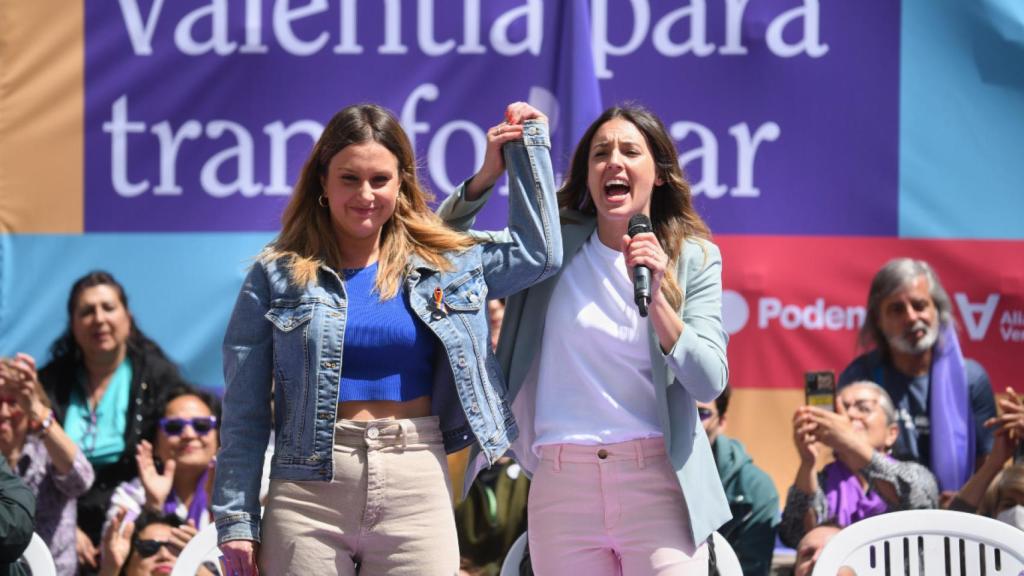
{"points": [[100, 432]]}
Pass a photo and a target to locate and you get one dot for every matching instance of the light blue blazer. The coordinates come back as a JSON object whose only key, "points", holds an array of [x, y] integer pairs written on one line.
{"points": [[694, 370]]}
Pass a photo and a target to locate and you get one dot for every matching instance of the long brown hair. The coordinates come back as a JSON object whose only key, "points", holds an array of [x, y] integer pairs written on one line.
{"points": [[67, 350], [307, 236], [673, 216]]}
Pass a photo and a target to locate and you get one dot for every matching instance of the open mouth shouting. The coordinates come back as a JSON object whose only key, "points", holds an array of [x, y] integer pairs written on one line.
{"points": [[616, 189]]}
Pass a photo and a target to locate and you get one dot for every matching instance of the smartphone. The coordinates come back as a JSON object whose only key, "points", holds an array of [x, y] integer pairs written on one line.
{"points": [[820, 389]]}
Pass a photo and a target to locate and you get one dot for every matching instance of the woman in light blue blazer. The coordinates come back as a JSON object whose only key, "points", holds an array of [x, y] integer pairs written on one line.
{"points": [[624, 478]]}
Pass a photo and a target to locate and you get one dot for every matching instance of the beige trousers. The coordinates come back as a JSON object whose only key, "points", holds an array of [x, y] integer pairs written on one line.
{"points": [[387, 511]]}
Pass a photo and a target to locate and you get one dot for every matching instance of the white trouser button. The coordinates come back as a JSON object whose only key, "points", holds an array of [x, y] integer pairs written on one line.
{"points": [[372, 433]]}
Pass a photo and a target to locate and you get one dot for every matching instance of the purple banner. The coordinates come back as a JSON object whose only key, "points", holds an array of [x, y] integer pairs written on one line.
{"points": [[200, 114]]}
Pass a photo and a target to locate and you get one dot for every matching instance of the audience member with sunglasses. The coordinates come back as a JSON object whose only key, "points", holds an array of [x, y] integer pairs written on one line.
{"points": [[176, 468], [106, 381], [43, 456], [149, 545]]}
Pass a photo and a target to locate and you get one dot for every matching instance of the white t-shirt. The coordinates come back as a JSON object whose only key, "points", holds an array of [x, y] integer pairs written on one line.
{"points": [[594, 380]]}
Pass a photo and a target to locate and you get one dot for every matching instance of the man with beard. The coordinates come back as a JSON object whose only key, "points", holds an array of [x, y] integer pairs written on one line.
{"points": [[942, 399]]}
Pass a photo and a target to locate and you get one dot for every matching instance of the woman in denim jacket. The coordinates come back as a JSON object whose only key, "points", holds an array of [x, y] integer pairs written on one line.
{"points": [[369, 316], [624, 481]]}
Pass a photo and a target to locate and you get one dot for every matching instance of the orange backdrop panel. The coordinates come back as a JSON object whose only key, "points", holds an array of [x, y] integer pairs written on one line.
{"points": [[41, 116]]}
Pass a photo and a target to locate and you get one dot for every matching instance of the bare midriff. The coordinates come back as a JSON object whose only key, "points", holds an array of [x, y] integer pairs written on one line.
{"points": [[361, 410]]}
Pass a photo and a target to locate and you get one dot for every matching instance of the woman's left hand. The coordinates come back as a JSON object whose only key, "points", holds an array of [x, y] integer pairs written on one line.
{"points": [[1009, 427], [833, 429], [156, 485], [117, 544], [497, 136], [645, 250], [26, 387]]}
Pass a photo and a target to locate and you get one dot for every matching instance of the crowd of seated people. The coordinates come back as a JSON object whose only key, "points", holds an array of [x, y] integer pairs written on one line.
{"points": [[916, 424], [108, 428]]}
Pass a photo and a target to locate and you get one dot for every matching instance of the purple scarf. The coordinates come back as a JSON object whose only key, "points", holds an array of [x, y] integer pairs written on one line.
{"points": [[952, 435], [199, 501], [847, 501]]}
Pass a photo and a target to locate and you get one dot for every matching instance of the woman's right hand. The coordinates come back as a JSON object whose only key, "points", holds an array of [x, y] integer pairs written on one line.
{"points": [[240, 558], [1009, 428], [117, 544], [804, 428], [157, 486], [88, 555], [494, 163]]}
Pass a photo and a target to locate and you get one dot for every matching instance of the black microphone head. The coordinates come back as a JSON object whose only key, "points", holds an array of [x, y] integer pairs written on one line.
{"points": [[639, 224]]}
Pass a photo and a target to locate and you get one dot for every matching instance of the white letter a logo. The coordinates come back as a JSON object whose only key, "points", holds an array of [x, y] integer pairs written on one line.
{"points": [[976, 330]]}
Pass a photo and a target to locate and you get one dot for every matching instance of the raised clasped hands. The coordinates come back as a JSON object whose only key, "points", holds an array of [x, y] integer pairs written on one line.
{"points": [[498, 135]]}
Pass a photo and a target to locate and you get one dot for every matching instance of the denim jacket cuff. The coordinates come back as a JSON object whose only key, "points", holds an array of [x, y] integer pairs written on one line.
{"points": [[535, 133], [238, 527], [459, 195]]}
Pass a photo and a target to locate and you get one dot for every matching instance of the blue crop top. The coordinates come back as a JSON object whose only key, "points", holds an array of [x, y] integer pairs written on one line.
{"points": [[388, 352]]}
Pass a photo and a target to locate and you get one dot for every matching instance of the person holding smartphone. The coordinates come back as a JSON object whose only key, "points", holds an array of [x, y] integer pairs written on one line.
{"points": [[864, 479]]}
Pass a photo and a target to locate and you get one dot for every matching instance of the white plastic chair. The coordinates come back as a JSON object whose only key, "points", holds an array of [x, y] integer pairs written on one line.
{"points": [[728, 563], [923, 543], [510, 566], [38, 558], [202, 547]]}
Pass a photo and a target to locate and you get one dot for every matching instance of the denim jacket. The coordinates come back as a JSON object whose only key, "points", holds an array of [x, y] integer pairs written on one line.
{"points": [[294, 336]]}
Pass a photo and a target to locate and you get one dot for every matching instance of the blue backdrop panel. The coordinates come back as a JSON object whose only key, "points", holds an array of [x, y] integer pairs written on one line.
{"points": [[181, 288], [962, 119]]}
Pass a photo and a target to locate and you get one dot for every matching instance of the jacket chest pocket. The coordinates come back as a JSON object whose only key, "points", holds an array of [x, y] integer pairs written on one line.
{"points": [[292, 342], [291, 338], [467, 293]]}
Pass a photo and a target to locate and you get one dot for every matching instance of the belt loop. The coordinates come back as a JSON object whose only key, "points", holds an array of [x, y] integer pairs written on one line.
{"points": [[558, 457], [639, 445], [403, 432]]}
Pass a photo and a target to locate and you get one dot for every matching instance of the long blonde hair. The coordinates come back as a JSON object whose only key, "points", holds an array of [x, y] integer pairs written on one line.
{"points": [[307, 238], [673, 216]]}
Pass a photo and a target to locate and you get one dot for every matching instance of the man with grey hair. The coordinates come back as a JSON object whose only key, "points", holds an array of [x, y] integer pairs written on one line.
{"points": [[942, 399]]}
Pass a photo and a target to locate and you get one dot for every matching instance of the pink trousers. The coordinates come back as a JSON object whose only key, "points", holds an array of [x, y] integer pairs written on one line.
{"points": [[613, 509]]}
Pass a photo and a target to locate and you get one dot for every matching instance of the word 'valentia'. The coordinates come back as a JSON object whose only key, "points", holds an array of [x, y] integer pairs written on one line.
{"points": [[674, 28]]}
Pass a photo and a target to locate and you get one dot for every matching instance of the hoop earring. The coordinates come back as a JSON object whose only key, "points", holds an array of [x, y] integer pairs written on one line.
{"points": [[322, 201]]}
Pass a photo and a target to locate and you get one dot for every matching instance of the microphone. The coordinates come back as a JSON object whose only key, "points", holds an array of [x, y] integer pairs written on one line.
{"points": [[639, 224]]}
